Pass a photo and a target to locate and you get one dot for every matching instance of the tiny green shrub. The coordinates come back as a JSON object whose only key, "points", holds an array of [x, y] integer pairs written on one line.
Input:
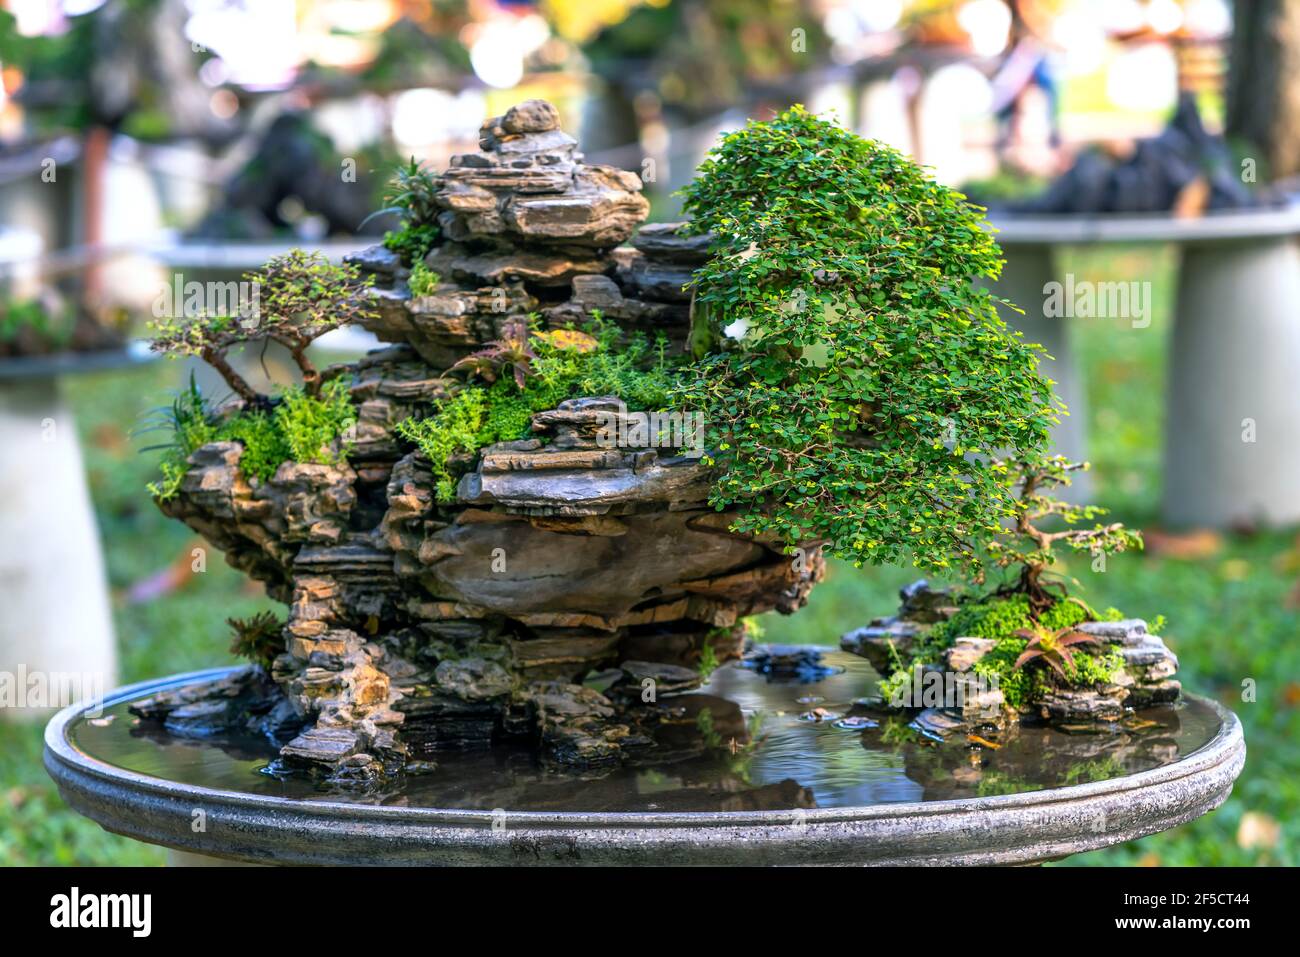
{"points": [[302, 296], [264, 443], [479, 414], [298, 428], [708, 662], [457, 425], [424, 281]]}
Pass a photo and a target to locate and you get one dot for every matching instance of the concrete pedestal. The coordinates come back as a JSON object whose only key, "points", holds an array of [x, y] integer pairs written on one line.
{"points": [[1233, 401], [1232, 432], [55, 622]]}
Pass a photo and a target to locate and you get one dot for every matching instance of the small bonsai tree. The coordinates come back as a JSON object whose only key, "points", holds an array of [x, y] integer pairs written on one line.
{"points": [[301, 296], [1027, 542], [854, 377]]}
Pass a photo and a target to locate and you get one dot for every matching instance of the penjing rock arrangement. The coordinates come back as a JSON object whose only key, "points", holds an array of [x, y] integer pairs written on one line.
{"points": [[416, 625]]}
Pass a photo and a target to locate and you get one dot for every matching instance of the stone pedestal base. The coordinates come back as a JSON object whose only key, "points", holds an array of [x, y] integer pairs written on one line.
{"points": [[1231, 455], [55, 622]]}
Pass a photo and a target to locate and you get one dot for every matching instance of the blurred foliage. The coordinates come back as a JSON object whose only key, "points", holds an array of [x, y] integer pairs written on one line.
{"points": [[414, 54], [702, 55]]}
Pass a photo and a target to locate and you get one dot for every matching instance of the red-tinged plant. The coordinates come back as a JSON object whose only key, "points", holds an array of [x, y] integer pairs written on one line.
{"points": [[1052, 647], [511, 352]]}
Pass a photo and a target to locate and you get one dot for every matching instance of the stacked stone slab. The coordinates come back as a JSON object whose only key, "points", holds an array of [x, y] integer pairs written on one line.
{"points": [[415, 625]]}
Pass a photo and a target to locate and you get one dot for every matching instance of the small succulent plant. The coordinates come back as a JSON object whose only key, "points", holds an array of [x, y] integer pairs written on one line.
{"points": [[511, 352], [1052, 647]]}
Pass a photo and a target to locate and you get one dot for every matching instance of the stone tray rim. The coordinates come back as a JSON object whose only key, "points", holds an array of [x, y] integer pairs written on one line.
{"points": [[1172, 794]]}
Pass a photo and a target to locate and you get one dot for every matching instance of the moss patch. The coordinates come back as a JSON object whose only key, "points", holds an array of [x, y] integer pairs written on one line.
{"points": [[480, 414]]}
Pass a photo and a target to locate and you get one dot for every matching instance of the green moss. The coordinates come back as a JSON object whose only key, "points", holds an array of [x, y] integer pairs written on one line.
{"points": [[999, 618]]}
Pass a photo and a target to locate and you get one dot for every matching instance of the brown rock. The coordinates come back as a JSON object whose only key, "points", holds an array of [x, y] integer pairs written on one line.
{"points": [[531, 116]]}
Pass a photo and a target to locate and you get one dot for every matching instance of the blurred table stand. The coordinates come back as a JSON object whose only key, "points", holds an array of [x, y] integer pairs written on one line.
{"points": [[1232, 402], [56, 625]]}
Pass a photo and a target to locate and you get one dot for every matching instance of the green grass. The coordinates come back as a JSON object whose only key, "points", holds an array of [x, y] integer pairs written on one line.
{"points": [[1227, 618]]}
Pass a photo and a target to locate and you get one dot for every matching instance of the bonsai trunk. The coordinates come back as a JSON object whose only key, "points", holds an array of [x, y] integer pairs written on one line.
{"points": [[311, 378], [237, 383], [1032, 584]]}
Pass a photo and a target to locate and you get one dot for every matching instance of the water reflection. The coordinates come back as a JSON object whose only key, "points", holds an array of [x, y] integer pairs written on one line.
{"points": [[751, 739]]}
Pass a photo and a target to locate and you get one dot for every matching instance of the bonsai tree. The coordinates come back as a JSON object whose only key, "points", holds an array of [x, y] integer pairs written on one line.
{"points": [[854, 377], [300, 297], [1027, 542]]}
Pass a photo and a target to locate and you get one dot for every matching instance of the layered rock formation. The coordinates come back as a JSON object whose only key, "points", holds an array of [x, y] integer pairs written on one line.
{"points": [[414, 625]]}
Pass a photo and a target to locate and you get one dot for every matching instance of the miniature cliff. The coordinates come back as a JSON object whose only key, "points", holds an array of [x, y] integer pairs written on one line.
{"points": [[416, 624]]}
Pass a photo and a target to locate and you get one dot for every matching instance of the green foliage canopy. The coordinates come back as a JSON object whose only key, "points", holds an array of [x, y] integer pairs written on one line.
{"points": [[874, 379]]}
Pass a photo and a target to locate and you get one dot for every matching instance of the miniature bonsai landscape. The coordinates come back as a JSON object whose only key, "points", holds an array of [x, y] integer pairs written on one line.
{"points": [[582, 465], [1026, 649]]}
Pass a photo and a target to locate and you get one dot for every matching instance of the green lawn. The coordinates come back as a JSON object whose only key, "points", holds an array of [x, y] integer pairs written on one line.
{"points": [[1227, 614]]}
